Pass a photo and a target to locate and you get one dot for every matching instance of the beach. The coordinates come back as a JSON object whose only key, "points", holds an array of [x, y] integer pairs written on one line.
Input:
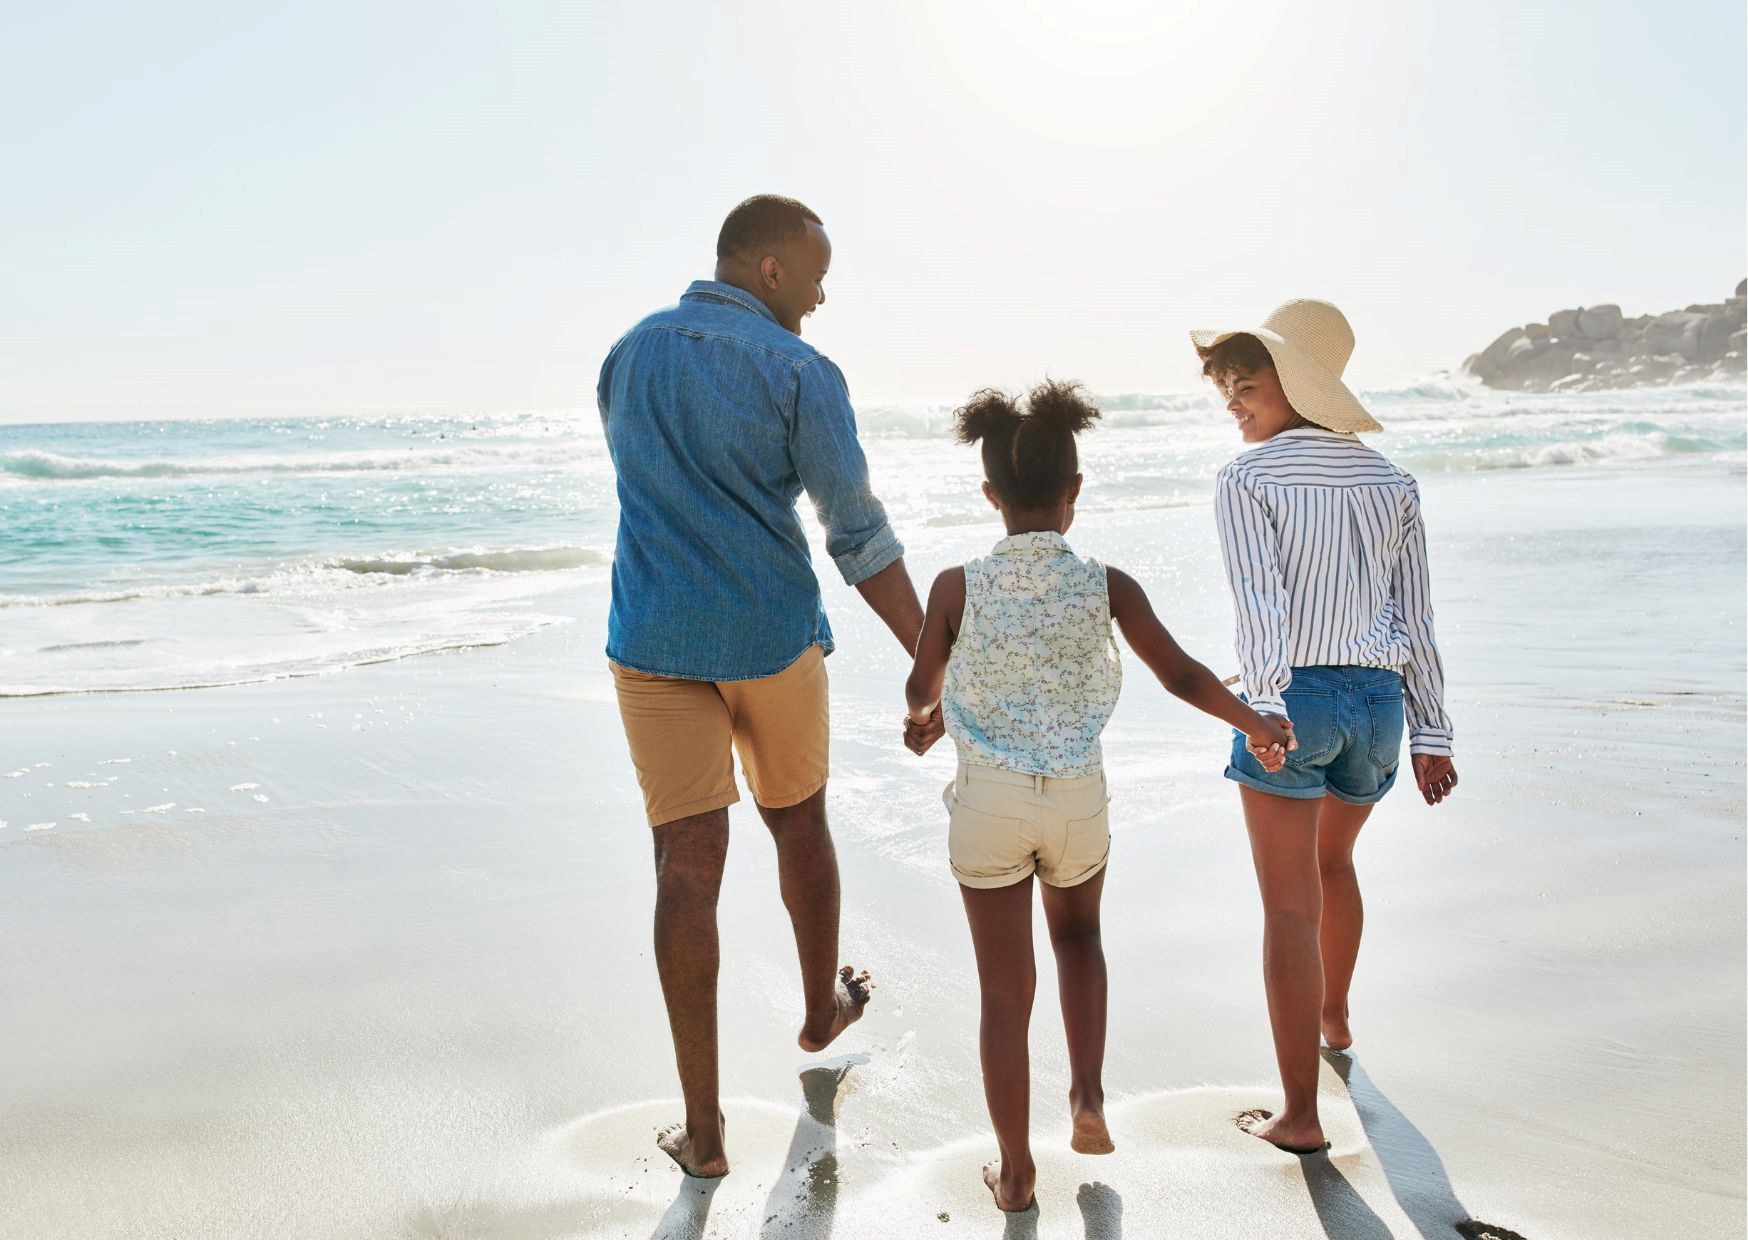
{"points": [[356, 944]]}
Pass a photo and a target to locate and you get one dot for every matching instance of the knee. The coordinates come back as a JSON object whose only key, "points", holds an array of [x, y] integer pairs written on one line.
{"points": [[1009, 998], [1292, 919], [1336, 867], [1076, 938]]}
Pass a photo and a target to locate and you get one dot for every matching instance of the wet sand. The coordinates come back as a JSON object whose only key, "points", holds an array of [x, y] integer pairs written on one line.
{"points": [[410, 993]]}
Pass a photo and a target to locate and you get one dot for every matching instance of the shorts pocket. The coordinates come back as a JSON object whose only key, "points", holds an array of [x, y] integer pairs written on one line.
{"points": [[1387, 728], [1315, 726], [984, 845]]}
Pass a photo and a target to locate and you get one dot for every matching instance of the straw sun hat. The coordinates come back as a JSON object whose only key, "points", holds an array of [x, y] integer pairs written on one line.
{"points": [[1310, 343]]}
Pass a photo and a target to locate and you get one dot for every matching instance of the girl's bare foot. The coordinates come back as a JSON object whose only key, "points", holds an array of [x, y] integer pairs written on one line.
{"points": [[1008, 1191], [1295, 1136], [1336, 1034], [851, 995], [1090, 1134], [695, 1159]]}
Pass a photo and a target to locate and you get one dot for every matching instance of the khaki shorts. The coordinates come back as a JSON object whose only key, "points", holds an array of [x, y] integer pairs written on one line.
{"points": [[1004, 825], [681, 734]]}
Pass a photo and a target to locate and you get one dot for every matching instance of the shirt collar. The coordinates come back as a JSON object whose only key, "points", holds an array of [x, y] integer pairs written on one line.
{"points": [[1033, 540], [1302, 432], [716, 290]]}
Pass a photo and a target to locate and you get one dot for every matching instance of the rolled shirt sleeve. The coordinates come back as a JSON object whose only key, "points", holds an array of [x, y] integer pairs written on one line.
{"points": [[829, 461], [1423, 676], [1249, 549]]}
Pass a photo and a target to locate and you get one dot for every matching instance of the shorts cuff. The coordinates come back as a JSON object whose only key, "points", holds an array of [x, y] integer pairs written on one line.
{"points": [[987, 882], [1372, 799], [1083, 876], [785, 801], [672, 813], [1274, 790]]}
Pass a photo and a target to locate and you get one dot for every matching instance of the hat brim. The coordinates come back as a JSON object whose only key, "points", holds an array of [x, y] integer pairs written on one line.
{"points": [[1314, 392]]}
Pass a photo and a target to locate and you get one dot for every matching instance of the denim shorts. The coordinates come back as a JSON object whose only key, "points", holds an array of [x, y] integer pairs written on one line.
{"points": [[1348, 722]]}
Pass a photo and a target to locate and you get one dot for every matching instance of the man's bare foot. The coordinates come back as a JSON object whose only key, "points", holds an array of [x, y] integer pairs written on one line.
{"points": [[851, 996], [677, 1144], [1296, 1138], [1090, 1134], [1336, 1035], [1006, 1194]]}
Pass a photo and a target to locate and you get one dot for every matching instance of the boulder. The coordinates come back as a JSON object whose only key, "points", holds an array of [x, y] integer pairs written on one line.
{"points": [[1537, 331], [1563, 323], [1710, 307], [1742, 288], [1714, 337], [1600, 322], [1493, 356], [1675, 332]]}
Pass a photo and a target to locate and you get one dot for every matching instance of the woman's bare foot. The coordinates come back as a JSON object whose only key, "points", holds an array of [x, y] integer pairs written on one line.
{"points": [[851, 996], [695, 1158], [1336, 1035], [1009, 1191], [1295, 1137], [1091, 1136]]}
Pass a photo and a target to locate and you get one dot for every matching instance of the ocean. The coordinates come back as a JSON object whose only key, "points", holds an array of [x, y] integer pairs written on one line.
{"points": [[177, 554]]}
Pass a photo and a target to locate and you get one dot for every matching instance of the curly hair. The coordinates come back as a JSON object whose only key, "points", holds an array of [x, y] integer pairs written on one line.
{"points": [[1029, 455], [1242, 354]]}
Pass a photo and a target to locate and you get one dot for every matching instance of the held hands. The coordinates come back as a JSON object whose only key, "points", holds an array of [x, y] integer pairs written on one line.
{"points": [[919, 736], [1434, 775], [1269, 744]]}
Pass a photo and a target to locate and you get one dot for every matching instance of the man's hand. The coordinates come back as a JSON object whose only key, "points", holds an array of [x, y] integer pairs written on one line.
{"points": [[918, 737], [1434, 775]]}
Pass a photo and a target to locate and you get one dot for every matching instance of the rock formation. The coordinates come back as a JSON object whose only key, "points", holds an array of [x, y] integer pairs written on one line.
{"points": [[1595, 347]]}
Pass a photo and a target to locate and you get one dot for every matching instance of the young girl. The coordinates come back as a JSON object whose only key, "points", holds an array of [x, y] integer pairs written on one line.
{"points": [[1326, 556], [1017, 651]]}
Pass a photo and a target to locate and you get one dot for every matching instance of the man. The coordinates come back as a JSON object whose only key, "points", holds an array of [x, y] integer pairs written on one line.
{"points": [[717, 417]]}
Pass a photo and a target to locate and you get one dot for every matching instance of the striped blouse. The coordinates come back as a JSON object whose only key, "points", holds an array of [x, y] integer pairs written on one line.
{"points": [[1326, 556]]}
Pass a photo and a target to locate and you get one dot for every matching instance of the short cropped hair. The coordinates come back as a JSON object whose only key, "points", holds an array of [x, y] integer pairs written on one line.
{"points": [[761, 224], [1242, 354]]}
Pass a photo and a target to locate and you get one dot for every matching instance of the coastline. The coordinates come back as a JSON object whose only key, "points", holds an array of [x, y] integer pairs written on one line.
{"points": [[410, 993]]}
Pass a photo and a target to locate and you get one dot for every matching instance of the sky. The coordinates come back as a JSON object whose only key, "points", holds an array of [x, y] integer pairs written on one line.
{"points": [[381, 206]]}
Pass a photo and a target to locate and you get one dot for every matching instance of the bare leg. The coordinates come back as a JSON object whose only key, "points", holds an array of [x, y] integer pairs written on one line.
{"points": [[1001, 934], [807, 872], [689, 855], [1283, 846], [1073, 916], [1338, 827]]}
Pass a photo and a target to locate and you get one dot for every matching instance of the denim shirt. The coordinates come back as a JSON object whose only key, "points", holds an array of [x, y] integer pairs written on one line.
{"points": [[717, 418]]}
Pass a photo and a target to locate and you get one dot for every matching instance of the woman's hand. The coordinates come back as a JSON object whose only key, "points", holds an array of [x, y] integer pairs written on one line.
{"points": [[1269, 743], [1435, 776]]}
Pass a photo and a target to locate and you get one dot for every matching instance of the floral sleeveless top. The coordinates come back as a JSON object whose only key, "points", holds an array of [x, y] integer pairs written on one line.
{"points": [[1034, 673]]}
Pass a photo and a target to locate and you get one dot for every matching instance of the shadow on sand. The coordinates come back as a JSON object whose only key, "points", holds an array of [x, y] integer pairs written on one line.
{"points": [[1101, 1211], [806, 1192], [685, 1219], [1413, 1168]]}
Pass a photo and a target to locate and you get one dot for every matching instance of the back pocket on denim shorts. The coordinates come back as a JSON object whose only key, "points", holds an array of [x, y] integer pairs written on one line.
{"points": [[1385, 710], [1315, 725]]}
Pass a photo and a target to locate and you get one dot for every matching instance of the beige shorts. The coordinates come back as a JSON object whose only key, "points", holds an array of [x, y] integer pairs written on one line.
{"points": [[684, 733], [1004, 825]]}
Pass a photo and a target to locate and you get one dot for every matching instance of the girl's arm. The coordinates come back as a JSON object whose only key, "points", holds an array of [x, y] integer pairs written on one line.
{"points": [[1185, 678], [922, 691]]}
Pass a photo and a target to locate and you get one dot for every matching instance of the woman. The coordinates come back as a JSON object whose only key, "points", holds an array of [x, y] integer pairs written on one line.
{"points": [[1326, 556]]}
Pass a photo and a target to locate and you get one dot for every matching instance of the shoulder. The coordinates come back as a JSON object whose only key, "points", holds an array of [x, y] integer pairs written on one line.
{"points": [[730, 324], [949, 583]]}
